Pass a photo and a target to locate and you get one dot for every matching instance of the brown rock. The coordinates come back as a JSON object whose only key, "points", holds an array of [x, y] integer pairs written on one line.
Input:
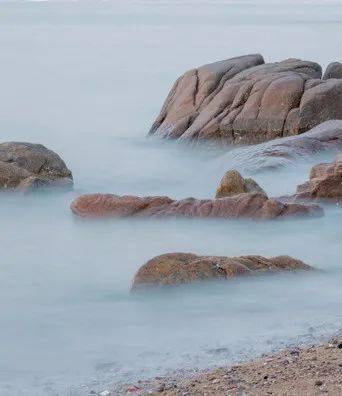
{"points": [[27, 166], [249, 206], [233, 183], [242, 100], [320, 103], [334, 70], [325, 182], [179, 268]]}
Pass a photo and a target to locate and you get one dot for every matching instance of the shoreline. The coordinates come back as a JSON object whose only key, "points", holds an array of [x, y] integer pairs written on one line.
{"points": [[309, 370]]}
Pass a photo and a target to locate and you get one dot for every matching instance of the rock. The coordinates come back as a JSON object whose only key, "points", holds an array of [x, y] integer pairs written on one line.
{"points": [[105, 393], [243, 100], [325, 138], [252, 186], [248, 205], [133, 389], [179, 268], [26, 166], [325, 183], [233, 183], [334, 70]]}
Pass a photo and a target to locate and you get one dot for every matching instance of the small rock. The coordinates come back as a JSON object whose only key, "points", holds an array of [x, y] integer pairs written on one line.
{"points": [[233, 183], [161, 388], [25, 167], [132, 389], [318, 383], [325, 183]]}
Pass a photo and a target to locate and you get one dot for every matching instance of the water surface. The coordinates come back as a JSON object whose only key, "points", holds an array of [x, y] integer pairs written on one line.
{"points": [[86, 79]]}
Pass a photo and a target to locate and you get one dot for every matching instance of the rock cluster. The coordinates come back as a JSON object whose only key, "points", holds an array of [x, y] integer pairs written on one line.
{"points": [[27, 166], [243, 100], [178, 268], [248, 206], [233, 183]]}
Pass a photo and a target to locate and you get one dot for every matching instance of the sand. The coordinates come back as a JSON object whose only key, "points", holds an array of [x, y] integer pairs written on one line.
{"points": [[313, 370]]}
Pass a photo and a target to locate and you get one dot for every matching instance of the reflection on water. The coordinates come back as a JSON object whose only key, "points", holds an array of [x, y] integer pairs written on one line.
{"points": [[89, 90]]}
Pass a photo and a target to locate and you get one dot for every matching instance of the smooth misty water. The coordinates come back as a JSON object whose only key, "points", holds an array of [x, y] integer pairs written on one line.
{"points": [[87, 79]]}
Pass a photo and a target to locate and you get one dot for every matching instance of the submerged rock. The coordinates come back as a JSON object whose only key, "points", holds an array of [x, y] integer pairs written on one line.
{"points": [[27, 166], [243, 100], [325, 182], [179, 268], [233, 183], [248, 206], [326, 137]]}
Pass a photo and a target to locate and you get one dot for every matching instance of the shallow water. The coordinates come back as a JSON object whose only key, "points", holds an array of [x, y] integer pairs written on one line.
{"points": [[86, 79]]}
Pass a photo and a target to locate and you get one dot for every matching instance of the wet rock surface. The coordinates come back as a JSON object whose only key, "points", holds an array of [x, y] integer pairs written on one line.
{"points": [[248, 206], [27, 166], [233, 183], [314, 370], [325, 138], [179, 268], [243, 100]]}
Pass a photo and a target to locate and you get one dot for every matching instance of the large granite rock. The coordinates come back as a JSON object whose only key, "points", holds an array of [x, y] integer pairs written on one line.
{"points": [[242, 100], [180, 268], [27, 166], [325, 138], [248, 206], [232, 183], [334, 70], [325, 183]]}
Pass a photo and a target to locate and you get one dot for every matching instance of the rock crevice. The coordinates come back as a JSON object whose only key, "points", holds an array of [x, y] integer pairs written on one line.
{"points": [[243, 100]]}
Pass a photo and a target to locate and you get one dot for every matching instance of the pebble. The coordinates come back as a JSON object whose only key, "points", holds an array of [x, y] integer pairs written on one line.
{"points": [[132, 388], [161, 388], [104, 393]]}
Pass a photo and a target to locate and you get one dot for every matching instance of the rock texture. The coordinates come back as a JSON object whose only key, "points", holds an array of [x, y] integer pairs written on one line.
{"points": [[243, 100], [233, 183], [27, 166], [325, 182], [248, 206], [314, 370], [178, 268], [325, 138], [334, 70]]}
